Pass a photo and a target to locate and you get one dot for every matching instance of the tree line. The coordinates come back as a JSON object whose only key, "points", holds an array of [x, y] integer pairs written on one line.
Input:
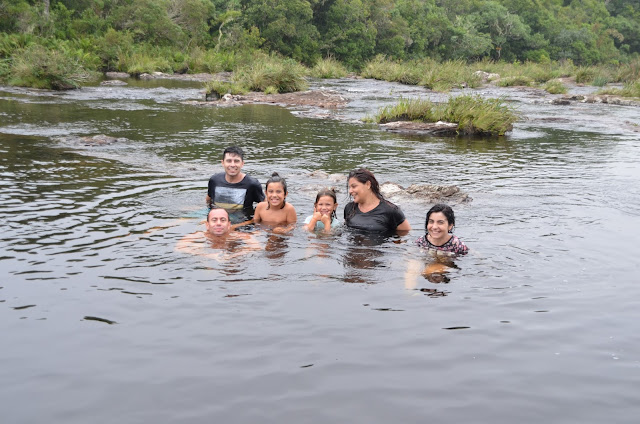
{"points": [[351, 31]]}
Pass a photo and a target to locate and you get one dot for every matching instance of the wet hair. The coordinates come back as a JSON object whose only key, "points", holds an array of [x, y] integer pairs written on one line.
{"points": [[446, 211], [233, 150], [363, 175], [331, 193], [276, 178], [215, 208]]}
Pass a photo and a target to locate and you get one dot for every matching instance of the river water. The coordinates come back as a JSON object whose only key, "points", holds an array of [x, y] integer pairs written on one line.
{"points": [[537, 324]]}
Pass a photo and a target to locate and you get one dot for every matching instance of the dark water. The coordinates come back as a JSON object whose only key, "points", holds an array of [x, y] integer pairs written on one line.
{"points": [[537, 324]]}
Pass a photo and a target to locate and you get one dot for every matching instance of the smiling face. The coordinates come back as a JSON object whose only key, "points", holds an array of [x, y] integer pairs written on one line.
{"points": [[325, 205], [438, 227], [276, 194], [218, 222], [232, 165], [359, 191]]}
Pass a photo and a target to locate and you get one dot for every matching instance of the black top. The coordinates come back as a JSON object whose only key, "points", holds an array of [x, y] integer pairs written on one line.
{"points": [[235, 196], [382, 219]]}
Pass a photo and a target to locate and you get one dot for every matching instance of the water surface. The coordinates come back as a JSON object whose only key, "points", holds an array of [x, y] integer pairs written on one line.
{"points": [[536, 324]]}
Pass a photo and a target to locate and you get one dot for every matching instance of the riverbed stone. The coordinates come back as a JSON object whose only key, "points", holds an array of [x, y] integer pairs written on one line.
{"points": [[117, 75], [95, 140], [423, 193], [115, 82], [430, 128]]}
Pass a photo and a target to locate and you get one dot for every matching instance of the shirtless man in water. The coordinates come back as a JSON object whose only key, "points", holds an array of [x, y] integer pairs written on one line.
{"points": [[219, 235]]}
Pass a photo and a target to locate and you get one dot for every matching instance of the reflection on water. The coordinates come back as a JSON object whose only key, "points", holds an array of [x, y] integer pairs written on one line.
{"points": [[544, 303]]}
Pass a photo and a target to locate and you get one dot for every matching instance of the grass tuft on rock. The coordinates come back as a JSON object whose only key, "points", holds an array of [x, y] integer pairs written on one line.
{"points": [[272, 73], [328, 68], [629, 90], [473, 114], [215, 89], [555, 87]]}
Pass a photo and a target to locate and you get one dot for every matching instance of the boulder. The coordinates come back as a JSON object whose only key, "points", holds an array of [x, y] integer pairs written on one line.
{"points": [[426, 193], [486, 77], [115, 82], [430, 128]]}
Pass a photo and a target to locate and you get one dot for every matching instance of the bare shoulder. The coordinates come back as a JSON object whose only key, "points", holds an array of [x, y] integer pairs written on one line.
{"points": [[288, 207]]}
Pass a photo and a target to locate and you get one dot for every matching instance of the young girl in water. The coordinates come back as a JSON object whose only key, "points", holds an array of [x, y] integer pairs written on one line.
{"points": [[439, 231], [324, 212], [274, 210]]}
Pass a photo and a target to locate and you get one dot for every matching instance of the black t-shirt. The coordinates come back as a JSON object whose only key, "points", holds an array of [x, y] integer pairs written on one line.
{"points": [[235, 196], [384, 218]]}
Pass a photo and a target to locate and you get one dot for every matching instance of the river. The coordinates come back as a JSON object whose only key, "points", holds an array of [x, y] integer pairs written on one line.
{"points": [[538, 323]]}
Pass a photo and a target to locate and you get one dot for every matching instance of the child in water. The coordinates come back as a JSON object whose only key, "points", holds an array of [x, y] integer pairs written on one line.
{"points": [[324, 212], [439, 231], [274, 210]]}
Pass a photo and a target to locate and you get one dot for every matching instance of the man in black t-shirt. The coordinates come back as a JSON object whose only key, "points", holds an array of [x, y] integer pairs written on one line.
{"points": [[232, 189]]}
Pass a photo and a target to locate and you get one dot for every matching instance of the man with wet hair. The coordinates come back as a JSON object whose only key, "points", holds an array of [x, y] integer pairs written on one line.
{"points": [[218, 235], [232, 189]]}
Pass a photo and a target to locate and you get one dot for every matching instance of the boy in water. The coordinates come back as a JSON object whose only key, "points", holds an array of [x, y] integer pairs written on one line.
{"points": [[232, 189]]}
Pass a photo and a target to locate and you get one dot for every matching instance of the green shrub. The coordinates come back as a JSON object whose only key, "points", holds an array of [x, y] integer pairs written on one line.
{"points": [[585, 74], [447, 75], [514, 81], [629, 90], [328, 68], [217, 89], [629, 72], [140, 63], [473, 114], [285, 75], [439, 76], [407, 110], [40, 67], [555, 87], [600, 80]]}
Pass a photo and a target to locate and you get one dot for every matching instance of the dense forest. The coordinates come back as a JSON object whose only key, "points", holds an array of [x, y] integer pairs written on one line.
{"points": [[209, 35]]}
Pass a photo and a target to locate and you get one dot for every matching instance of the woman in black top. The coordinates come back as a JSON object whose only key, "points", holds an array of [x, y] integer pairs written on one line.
{"points": [[369, 210]]}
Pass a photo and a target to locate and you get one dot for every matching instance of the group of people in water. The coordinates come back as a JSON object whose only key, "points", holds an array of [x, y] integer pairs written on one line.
{"points": [[231, 196]]}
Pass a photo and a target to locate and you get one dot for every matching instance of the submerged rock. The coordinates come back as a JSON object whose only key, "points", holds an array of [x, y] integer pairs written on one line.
{"points": [[424, 193], [117, 75], [113, 82], [96, 140]]}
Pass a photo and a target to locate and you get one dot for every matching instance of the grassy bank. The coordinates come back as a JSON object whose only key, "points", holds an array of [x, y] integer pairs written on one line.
{"points": [[473, 114]]}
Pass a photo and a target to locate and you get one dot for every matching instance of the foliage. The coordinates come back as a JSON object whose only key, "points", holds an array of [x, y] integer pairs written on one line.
{"points": [[555, 87], [629, 90], [515, 81], [473, 114], [381, 68], [272, 72], [220, 88], [328, 68], [447, 75], [54, 68], [513, 34]]}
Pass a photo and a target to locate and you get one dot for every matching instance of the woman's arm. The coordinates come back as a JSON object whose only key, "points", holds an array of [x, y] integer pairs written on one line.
{"points": [[403, 228]]}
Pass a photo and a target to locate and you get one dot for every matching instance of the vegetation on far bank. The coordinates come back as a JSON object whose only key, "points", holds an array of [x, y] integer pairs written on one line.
{"points": [[473, 114], [61, 44]]}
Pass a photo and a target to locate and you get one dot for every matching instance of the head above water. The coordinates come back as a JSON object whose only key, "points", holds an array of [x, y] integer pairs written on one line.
{"points": [[218, 223], [363, 176], [233, 151], [327, 192], [446, 211], [274, 180]]}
